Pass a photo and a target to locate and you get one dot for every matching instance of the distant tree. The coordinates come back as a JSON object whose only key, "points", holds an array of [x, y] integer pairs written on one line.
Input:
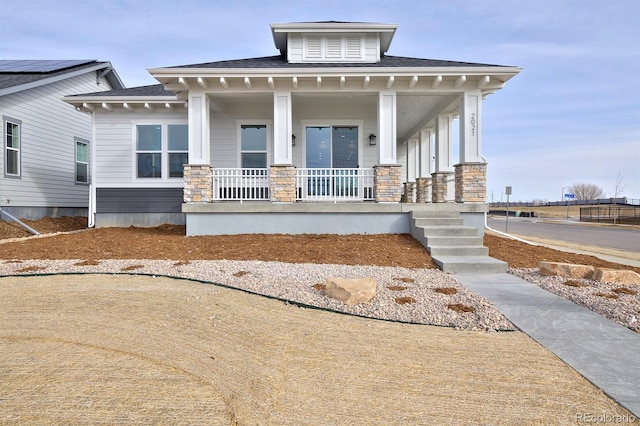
{"points": [[619, 187], [586, 191]]}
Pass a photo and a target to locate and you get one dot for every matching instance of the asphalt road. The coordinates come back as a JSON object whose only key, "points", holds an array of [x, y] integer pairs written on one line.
{"points": [[619, 238]]}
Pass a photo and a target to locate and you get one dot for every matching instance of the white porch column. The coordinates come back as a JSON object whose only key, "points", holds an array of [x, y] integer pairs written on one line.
{"points": [[443, 166], [387, 128], [199, 149], [444, 142], [282, 130], [470, 126], [426, 152], [413, 160]]}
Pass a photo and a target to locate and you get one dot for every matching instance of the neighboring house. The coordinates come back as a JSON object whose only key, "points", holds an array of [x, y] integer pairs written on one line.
{"points": [[46, 143], [328, 136]]}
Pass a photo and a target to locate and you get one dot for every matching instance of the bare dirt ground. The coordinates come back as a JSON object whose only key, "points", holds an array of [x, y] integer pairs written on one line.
{"points": [[87, 349], [119, 349]]}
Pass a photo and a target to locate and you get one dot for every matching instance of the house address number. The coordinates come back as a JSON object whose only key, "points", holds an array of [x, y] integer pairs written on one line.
{"points": [[473, 124]]}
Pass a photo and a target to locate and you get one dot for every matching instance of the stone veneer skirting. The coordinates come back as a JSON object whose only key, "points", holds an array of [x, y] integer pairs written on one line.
{"points": [[282, 183], [197, 183], [422, 190], [439, 187], [386, 183], [409, 195], [471, 182]]}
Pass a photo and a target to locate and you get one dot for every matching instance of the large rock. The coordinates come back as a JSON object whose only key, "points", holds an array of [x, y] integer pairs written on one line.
{"points": [[568, 270], [351, 291], [618, 276]]}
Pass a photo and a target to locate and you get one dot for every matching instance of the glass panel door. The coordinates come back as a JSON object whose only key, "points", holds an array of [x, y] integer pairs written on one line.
{"points": [[318, 147], [345, 147], [345, 156]]}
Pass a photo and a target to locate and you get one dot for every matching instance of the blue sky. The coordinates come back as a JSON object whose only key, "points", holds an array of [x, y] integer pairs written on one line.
{"points": [[572, 114]]}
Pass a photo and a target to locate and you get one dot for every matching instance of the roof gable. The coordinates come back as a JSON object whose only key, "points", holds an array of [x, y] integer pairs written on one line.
{"points": [[18, 75]]}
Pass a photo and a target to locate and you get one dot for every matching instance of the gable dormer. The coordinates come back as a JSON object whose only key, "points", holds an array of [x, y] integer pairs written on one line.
{"points": [[333, 42]]}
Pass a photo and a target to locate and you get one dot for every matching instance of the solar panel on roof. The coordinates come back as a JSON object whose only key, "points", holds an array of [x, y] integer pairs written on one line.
{"points": [[39, 66]]}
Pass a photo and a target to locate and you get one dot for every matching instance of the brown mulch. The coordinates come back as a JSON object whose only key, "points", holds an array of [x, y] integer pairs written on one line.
{"points": [[169, 242], [521, 255]]}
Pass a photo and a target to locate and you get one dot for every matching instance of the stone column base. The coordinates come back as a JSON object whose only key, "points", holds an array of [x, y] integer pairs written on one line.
{"points": [[197, 183], [471, 182], [439, 187], [282, 183], [422, 190], [409, 195], [386, 183]]}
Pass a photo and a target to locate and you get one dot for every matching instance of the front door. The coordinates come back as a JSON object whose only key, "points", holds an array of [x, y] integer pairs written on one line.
{"points": [[332, 147]]}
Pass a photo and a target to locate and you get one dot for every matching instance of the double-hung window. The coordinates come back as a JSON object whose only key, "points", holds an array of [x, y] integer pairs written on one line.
{"points": [[82, 160], [253, 146], [178, 149], [12, 147], [161, 150]]}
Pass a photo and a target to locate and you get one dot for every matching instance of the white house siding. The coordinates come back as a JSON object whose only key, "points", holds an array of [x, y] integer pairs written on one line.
{"points": [[224, 143], [48, 129], [115, 148], [337, 111]]}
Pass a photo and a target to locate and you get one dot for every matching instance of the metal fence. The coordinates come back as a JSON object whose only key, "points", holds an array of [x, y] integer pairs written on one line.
{"points": [[599, 201], [612, 213]]}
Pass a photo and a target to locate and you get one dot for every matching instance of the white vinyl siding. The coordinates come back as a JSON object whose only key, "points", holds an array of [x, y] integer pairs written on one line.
{"points": [[47, 148], [114, 148]]}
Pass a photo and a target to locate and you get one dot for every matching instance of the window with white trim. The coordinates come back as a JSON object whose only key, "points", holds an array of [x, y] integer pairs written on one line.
{"points": [[253, 146], [12, 147], [82, 160], [177, 149], [161, 150]]}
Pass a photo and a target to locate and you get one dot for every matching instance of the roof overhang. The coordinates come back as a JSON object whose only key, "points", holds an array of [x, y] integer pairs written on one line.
{"points": [[97, 102], [487, 79], [280, 31]]}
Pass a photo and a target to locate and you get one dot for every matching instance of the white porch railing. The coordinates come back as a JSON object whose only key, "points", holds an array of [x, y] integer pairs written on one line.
{"points": [[334, 184], [240, 184]]}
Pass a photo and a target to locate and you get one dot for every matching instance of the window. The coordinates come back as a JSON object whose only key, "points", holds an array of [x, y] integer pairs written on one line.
{"points": [[253, 146], [82, 161], [178, 149], [12, 166], [161, 150]]}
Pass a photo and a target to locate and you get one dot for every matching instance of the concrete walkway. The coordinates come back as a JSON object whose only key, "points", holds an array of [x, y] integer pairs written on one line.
{"points": [[605, 353]]}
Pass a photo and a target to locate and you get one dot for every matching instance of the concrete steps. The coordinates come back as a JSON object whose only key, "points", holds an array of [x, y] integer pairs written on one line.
{"points": [[454, 247]]}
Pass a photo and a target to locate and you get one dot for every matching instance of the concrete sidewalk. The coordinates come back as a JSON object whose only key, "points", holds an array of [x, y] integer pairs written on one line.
{"points": [[605, 353]]}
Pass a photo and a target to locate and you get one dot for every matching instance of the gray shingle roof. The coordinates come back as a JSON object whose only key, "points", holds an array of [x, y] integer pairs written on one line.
{"points": [[11, 79], [152, 90], [385, 62]]}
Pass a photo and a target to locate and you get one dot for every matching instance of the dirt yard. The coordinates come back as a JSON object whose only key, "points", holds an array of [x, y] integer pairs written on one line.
{"points": [[119, 349]]}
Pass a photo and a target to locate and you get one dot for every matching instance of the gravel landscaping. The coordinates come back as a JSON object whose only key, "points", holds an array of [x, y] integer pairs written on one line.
{"points": [[302, 284], [617, 302]]}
